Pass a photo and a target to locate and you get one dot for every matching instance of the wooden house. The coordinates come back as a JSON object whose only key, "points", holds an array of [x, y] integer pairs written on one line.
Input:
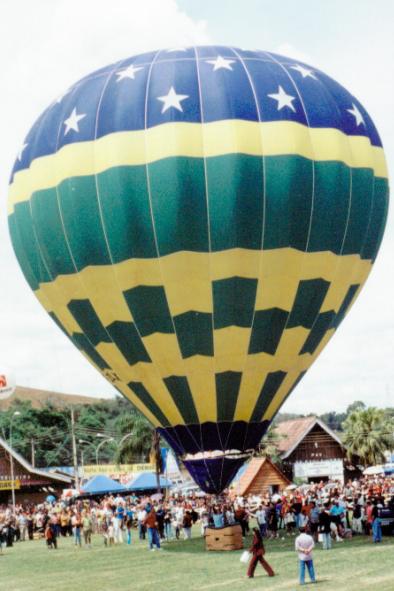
{"points": [[260, 477], [29, 483], [311, 451]]}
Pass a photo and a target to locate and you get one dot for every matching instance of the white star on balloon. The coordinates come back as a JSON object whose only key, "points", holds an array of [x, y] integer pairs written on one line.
{"points": [[20, 153], [284, 100], [221, 63], [172, 99], [357, 115], [72, 121], [305, 72], [128, 72]]}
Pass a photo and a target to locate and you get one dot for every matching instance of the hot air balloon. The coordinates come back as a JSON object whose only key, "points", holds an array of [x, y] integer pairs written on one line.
{"points": [[198, 221], [7, 383]]}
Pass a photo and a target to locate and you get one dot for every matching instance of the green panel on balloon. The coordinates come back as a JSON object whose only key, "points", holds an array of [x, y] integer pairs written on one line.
{"points": [[377, 219], [270, 387], [146, 398], [227, 388], [179, 206], [50, 232], [235, 185], [331, 202], [179, 389], [90, 324], [195, 334], [360, 210], [288, 197], [322, 324], [83, 343], [26, 244], [82, 222], [345, 304], [21, 254], [233, 301], [309, 298], [268, 326], [125, 336], [149, 308], [130, 232]]}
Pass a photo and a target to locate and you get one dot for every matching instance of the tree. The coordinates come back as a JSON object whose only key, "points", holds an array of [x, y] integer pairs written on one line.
{"points": [[139, 440], [368, 435], [356, 405], [269, 445], [136, 438]]}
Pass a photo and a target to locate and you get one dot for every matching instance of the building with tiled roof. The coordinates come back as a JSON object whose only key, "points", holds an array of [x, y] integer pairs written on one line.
{"points": [[311, 451], [29, 483], [261, 476]]}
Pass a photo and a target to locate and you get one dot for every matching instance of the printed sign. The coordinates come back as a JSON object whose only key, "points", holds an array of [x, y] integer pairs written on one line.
{"points": [[10, 484], [117, 469], [327, 468]]}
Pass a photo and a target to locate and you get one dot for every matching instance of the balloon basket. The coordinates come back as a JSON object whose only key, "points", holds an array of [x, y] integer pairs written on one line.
{"points": [[224, 538]]}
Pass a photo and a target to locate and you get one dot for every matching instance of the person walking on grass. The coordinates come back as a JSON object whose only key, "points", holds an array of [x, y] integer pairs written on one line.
{"points": [[304, 545], [76, 522], [151, 524], [257, 550], [87, 528]]}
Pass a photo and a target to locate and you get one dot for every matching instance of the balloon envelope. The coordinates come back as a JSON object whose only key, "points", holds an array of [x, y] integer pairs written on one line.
{"points": [[198, 222], [7, 383]]}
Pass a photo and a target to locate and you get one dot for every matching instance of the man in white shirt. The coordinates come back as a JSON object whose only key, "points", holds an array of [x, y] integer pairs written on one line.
{"points": [[261, 520], [141, 516], [304, 545]]}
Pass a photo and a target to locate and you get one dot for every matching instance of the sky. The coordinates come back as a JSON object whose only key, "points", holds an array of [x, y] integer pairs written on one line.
{"points": [[47, 45]]}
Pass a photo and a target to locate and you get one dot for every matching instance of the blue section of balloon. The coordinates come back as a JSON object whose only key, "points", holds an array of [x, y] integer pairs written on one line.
{"points": [[103, 98]]}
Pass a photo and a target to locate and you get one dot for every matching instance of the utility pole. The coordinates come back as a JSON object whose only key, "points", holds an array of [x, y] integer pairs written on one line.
{"points": [[74, 446], [33, 453], [157, 457]]}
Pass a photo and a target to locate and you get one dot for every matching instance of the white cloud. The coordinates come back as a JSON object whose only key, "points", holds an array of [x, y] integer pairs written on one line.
{"points": [[45, 47]]}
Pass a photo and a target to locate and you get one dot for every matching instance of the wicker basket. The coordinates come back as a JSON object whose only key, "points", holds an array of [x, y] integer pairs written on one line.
{"points": [[224, 538]]}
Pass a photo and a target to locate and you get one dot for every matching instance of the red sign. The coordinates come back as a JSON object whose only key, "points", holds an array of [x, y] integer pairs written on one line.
{"points": [[3, 381]]}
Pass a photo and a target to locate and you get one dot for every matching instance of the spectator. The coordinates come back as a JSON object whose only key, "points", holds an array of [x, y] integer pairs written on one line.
{"points": [[304, 545]]}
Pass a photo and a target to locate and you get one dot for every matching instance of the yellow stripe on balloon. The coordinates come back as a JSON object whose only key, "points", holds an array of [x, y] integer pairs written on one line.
{"points": [[197, 140], [283, 267], [201, 377], [231, 346], [187, 282]]}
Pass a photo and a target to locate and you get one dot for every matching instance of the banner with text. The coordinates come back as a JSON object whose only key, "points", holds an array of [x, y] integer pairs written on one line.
{"points": [[92, 469], [10, 484]]}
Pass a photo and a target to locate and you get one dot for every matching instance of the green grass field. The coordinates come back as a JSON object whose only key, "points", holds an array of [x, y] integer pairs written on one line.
{"points": [[185, 565]]}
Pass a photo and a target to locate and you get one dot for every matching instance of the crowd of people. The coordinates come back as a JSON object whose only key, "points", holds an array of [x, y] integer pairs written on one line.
{"points": [[327, 511]]}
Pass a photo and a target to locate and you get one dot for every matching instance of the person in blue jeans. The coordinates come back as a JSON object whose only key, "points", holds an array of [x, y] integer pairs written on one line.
{"points": [[376, 524], [304, 545], [151, 524]]}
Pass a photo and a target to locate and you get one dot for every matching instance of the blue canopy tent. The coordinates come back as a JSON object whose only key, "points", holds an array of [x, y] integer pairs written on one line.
{"points": [[147, 481], [101, 485]]}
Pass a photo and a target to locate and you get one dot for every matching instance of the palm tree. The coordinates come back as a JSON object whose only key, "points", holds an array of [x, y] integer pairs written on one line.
{"points": [[368, 435], [139, 440], [136, 438]]}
